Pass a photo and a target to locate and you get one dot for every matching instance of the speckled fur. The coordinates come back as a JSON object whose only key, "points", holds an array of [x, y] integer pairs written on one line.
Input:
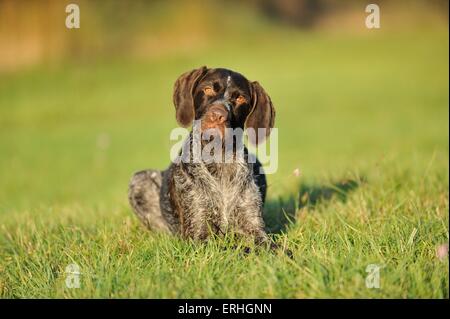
{"points": [[196, 200]]}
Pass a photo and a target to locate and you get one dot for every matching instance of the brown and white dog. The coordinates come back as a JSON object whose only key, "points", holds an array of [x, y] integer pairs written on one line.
{"points": [[196, 200]]}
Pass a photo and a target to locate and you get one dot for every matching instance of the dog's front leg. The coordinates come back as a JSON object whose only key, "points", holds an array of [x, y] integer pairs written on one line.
{"points": [[246, 214], [199, 202]]}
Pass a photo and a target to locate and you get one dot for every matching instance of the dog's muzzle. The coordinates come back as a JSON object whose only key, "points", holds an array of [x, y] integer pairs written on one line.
{"points": [[217, 117]]}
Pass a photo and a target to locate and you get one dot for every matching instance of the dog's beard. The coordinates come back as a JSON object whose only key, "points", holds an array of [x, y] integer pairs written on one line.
{"points": [[217, 142], [222, 147], [211, 128]]}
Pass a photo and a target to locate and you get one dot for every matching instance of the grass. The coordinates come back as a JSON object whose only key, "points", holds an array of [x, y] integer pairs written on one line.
{"points": [[363, 117]]}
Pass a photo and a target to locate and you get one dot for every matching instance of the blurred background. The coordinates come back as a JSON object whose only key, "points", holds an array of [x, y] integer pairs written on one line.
{"points": [[82, 109], [33, 32]]}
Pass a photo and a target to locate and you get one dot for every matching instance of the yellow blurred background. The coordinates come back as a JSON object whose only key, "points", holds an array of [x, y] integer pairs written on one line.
{"points": [[33, 32]]}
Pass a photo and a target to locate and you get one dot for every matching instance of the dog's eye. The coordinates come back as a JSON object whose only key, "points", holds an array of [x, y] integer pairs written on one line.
{"points": [[209, 91], [241, 100]]}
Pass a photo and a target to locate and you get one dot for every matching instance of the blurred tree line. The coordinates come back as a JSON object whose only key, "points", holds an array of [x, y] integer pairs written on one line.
{"points": [[305, 13], [33, 31]]}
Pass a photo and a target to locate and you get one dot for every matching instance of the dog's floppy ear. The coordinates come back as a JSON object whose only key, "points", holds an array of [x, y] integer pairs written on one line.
{"points": [[262, 114], [183, 98]]}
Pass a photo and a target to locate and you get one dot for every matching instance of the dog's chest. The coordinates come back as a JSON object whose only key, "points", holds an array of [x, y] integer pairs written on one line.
{"points": [[231, 181]]}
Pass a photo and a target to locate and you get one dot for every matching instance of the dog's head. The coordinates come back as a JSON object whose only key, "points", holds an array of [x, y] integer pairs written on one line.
{"points": [[221, 99]]}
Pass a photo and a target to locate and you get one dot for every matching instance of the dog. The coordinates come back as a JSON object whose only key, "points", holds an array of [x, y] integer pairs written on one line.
{"points": [[198, 200]]}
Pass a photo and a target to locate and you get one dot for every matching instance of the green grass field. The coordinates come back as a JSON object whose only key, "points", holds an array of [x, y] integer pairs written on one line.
{"points": [[364, 117]]}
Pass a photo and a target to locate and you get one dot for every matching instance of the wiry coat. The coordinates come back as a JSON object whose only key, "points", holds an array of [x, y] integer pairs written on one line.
{"points": [[196, 200]]}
